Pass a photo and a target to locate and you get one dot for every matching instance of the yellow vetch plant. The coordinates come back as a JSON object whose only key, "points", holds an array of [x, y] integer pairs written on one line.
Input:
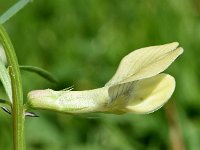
{"points": [[137, 86]]}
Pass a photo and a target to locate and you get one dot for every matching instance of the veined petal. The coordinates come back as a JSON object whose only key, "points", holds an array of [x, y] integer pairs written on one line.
{"points": [[145, 63]]}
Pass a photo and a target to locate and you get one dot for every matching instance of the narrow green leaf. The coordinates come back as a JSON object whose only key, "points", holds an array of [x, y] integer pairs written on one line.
{"points": [[43, 73], [13, 10], [3, 55], [3, 101], [5, 79]]}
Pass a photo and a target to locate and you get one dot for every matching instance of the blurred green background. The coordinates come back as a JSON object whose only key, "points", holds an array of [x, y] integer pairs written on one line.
{"points": [[81, 42]]}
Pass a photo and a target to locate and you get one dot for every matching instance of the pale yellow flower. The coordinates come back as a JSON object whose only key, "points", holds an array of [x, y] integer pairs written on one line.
{"points": [[137, 86]]}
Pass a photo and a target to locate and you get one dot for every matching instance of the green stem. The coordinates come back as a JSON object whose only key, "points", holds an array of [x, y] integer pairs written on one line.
{"points": [[17, 92]]}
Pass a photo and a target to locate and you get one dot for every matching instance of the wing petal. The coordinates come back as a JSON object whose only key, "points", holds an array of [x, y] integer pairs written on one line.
{"points": [[150, 94]]}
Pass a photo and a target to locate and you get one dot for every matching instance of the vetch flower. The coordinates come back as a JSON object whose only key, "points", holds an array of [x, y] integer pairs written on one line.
{"points": [[137, 86]]}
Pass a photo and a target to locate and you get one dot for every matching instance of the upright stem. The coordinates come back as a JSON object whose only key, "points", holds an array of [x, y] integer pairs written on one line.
{"points": [[17, 92], [175, 134]]}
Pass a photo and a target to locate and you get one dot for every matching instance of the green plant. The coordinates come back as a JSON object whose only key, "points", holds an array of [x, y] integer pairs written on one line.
{"points": [[144, 78]]}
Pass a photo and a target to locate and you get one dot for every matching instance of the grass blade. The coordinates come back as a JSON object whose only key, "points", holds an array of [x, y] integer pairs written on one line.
{"points": [[13, 10]]}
